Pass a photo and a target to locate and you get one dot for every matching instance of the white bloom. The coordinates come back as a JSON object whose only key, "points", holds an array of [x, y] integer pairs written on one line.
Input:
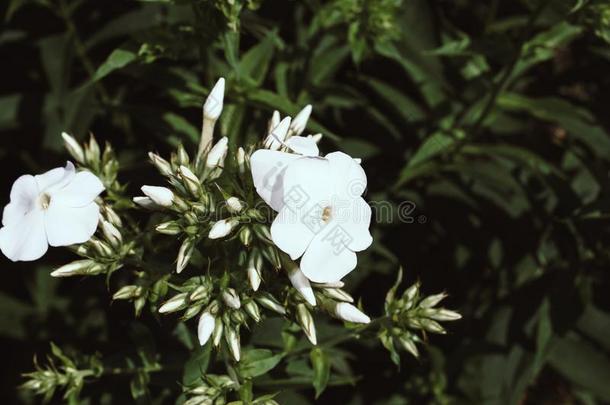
{"points": [[301, 283], [277, 135], [322, 216], [162, 196], [268, 168], [300, 121], [221, 228], [56, 208], [212, 108], [217, 154], [234, 205], [205, 327], [348, 312]]}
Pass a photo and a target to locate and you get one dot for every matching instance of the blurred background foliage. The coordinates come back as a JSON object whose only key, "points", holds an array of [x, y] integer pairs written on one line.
{"points": [[490, 119]]}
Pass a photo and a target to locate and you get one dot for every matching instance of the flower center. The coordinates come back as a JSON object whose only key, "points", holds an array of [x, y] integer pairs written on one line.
{"points": [[44, 200], [326, 214]]}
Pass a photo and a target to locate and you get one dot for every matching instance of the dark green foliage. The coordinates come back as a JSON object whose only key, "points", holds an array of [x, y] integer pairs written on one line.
{"points": [[490, 119]]}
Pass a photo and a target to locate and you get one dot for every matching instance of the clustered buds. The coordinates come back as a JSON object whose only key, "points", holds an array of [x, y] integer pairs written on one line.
{"points": [[409, 313]]}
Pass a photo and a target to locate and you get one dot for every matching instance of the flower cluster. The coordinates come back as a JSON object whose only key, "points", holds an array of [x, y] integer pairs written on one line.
{"points": [[264, 230]]}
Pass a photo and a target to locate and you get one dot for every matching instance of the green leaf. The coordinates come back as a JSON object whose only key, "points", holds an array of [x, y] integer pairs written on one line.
{"points": [[182, 126], [321, 369], [9, 109], [197, 365], [118, 59], [255, 62], [579, 122], [257, 362], [397, 100], [582, 364]]}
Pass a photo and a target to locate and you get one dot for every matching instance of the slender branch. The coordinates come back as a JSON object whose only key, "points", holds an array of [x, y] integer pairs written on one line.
{"points": [[501, 84]]}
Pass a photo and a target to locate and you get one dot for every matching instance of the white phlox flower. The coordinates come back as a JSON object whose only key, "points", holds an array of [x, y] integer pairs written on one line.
{"points": [[56, 208], [322, 217]]}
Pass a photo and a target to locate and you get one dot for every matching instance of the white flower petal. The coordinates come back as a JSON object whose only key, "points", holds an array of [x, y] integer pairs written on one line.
{"points": [[68, 225], [306, 184], [347, 177], [162, 196], [303, 146], [290, 233], [355, 220], [24, 194], [25, 240], [328, 258], [81, 191], [56, 178], [268, 168]]}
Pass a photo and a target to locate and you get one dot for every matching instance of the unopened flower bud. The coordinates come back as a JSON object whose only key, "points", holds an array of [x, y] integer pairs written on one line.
{"points": [[164, 167], [101, 248], [432, 300], [128, 292], [218, 332], [232, 338], [212, 108], [190, 180], [274, 121], [92, 151], [432, 326], [409, 345], [73, 148], [245, 236], [306, 321], [300, 121], [145, 202], [161, 196], [338, 294], [234, 205], [182, 156], [300, 282], [241, 160], [217, 154], [222, 228], [78, 268], [231, 298], [112, 216], [255, 265], [174, 304], [112, 234], [184, 254], [443, 314], [169, 228], [267, 301], [205, 327], [276, 137], [200, 292], [336, 284], [350, 313], [252, 309]]}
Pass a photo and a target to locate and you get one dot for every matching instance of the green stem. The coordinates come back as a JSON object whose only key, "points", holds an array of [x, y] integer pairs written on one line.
{"points": [[501, 84]]}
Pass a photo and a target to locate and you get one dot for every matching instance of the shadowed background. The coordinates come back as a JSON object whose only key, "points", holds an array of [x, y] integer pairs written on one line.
{"points": [[490, 120]]}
